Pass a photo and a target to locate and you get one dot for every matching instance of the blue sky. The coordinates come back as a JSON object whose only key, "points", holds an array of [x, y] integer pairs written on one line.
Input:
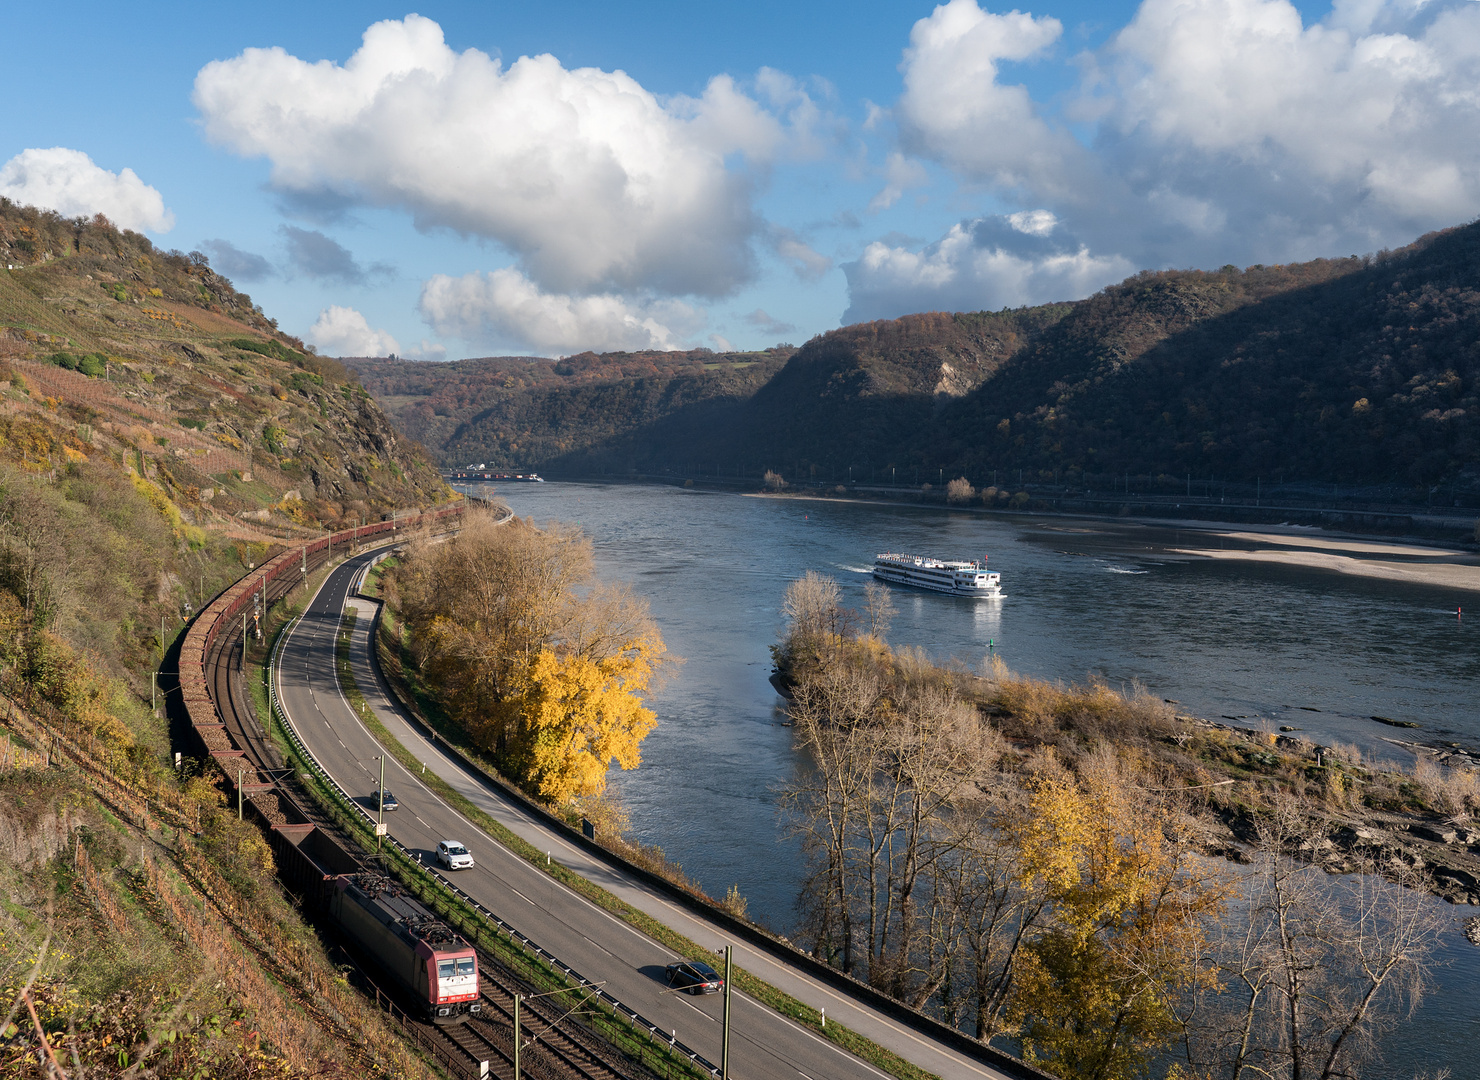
{"points": [[473, 179]]}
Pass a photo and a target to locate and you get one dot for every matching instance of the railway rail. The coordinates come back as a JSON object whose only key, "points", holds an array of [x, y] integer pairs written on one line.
{"points": [[214, 695]]}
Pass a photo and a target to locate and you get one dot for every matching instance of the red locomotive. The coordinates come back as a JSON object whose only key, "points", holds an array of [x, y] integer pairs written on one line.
{"points": [[429, 961]]}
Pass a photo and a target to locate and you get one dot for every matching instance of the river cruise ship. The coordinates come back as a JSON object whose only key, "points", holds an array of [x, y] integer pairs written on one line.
{"points": [[939, 575]]}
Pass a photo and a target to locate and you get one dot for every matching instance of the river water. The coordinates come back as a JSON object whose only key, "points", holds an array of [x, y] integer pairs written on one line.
{"points": [[1264, 643]]}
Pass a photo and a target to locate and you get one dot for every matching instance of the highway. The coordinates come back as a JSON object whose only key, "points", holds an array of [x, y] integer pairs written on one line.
{"points": [[593, 941]]}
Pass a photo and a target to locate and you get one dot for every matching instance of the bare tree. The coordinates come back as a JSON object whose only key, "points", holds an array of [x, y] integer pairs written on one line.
{"points": [[1315, 966], [893, 747], [813, 607], [879, 609]]}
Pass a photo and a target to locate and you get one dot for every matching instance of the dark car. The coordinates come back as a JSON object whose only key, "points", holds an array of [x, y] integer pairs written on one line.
{"points": [[385, 800], [695, 977]]}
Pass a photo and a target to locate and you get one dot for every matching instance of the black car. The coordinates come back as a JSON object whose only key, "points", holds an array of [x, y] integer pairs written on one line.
{"points": [[385, 800], [695, 977]]}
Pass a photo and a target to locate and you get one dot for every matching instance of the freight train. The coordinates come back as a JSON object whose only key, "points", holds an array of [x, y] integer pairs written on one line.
{"points": [[434, 969], [433, 966]]}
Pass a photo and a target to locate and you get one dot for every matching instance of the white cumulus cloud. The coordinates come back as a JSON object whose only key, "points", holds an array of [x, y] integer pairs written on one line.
{"points": [[984, 264], [426, 350], [343, 331], [68, 182], [1373, 111], [955, 110], [594, 183], [505, 307], [1202, 132]]}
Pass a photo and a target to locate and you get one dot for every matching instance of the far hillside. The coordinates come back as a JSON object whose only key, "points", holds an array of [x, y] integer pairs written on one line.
{"points": [[509, 411]]}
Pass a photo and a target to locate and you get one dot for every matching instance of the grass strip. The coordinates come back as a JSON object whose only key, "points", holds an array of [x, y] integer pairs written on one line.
{"points": [[608, 1023], [858, 1045]]}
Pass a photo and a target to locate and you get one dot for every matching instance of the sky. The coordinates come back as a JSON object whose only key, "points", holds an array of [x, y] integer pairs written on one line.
{"points": [[473, 179]]}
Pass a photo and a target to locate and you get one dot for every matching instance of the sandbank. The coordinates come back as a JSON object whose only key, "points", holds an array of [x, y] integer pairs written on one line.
{"points": [[1448, 575], [1365, 547]]}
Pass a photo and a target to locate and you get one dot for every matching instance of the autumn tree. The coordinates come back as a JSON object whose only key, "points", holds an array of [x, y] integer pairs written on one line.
{"points": [[544, 671], [1063, 901], [960, 490], [1095, 992]]}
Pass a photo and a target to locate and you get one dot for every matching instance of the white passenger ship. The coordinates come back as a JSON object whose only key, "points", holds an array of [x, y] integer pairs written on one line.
{"points": [[941, 575]]}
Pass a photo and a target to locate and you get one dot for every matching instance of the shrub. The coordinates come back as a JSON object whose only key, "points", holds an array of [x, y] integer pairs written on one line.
{"points": [[1039, 709]]}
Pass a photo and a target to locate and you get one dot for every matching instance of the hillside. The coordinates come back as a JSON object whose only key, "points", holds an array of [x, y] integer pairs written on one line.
{"points": [[1351, 371], [158, 438], [579, 412]]}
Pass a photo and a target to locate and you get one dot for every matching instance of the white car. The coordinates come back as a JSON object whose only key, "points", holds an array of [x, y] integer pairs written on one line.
{"points": [[454, 855]]}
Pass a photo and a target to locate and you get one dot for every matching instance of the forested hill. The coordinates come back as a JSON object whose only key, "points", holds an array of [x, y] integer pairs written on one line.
{"points": [[1353, 370], [123, 350], [515, 411]]}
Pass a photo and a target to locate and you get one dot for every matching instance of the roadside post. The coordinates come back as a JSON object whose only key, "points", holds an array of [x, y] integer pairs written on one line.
{"points": [[724, 1053]]}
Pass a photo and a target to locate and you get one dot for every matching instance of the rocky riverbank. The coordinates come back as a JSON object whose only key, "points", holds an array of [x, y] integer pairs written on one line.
{"points": [[1444, 848]]}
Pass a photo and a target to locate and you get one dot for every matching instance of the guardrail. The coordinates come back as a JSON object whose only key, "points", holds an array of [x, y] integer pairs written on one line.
{"points": [[217, 615], [411, 859]]}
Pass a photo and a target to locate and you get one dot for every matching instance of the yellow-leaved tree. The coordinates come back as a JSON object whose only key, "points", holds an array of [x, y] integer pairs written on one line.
{"points": [[580, 715], [1129, 903], [544, 671]]}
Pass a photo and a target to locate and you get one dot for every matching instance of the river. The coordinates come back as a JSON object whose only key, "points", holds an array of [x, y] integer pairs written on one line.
{"points": [[1265, 643]]}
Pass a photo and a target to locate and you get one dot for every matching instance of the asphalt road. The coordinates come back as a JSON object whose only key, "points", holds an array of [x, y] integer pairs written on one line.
{"points": [[601, 947]]}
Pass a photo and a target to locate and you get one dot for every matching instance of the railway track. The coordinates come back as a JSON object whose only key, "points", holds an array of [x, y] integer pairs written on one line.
{"points": [[550, 1050], [547, 1052], [571, 1052]]}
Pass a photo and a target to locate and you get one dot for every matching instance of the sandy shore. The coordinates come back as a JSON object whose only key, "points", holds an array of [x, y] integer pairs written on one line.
{"points": [[1439, 572]]}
